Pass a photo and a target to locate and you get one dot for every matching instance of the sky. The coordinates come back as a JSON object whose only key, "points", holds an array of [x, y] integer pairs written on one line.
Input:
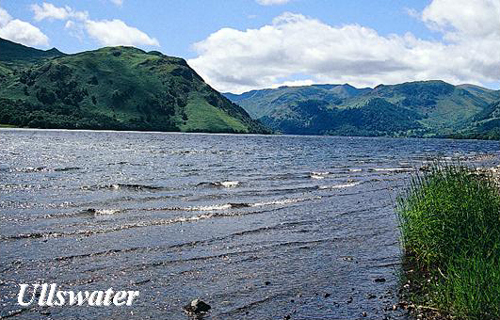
{"points": [[240, 45]]}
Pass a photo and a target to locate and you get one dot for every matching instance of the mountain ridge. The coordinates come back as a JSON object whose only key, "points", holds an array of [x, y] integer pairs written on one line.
{"points": [[117, 88], [440, 109]]}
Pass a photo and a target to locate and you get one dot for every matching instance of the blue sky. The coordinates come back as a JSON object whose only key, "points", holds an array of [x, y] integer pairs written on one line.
{"points": [[177, 24], [234, 44]]}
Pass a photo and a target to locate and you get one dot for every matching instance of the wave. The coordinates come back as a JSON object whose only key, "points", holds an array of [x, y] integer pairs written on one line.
{"points": [[396, 170], [284, 201], [212, 211], [67, 169], [40, 169], [319, 175], [324, 173], [219, 184], [227, 206], [316, 177], [125, 186], [30, 169], [161, 222], [340, 186], [99, 212], [86, 212], [204, 208], [209, 208]]}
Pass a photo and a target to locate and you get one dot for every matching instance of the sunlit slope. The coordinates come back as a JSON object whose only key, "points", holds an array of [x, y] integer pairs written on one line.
{"points": [[120, 88]]}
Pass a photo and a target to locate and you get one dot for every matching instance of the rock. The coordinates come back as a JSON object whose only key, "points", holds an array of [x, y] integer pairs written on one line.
{"points": [[379, 280], [197, 306], [327, 295], [364, 314], [287, 317], [267, 283]]}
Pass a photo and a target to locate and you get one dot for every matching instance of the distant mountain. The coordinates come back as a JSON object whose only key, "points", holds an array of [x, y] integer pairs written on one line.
{"points": [[377, 117], [423, 108], [260, 103], [12, 52], [486, 124], [119, 88]]}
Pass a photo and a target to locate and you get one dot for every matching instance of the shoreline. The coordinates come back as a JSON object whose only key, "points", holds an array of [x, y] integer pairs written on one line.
{"points": [[4, 127]]}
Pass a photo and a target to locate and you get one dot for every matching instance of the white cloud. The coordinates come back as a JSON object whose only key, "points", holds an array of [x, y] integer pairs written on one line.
{"points": [[458, 18], [51, 12], [4, 17], [21, 31], [106, 32], [116, 32], [117, 2], [234, 60], [271, 2]]}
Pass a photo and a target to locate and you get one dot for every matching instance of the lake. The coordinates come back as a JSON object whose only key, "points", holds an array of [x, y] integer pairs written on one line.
{"points": [[260, 227]]}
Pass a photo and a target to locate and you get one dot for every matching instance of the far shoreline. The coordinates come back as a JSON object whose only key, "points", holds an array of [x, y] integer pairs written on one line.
{"points": [[7, 127]]}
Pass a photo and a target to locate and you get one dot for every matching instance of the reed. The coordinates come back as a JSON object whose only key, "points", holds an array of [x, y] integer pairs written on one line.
{"points": [[450, 229]]}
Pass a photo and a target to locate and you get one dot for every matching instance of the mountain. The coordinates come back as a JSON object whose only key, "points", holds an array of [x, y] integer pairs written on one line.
{"points": [[260, 103], [422, 108], [14, 52], [118, 88], [378, 117], [486, 124]]}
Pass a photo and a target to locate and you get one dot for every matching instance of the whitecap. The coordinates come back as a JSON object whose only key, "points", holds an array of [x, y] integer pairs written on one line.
{"points": [[340, 186], [392, 169], [283, 201], [229, 184], [210, 208], [103, 212]]}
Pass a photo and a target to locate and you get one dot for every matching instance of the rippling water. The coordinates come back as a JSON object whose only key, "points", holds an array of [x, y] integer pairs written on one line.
{"points": [[259, 226]]}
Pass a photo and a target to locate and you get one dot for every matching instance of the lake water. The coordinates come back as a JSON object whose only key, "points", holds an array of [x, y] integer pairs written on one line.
{"points": [[260, 227]]}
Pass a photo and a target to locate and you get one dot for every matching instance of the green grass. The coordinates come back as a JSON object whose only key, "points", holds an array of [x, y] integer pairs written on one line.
{"points": [[450, 227], [204, 117]]}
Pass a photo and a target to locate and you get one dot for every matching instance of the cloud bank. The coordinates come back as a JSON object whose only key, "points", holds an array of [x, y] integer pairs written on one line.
{"points": [[105, 32], [295, 46], [21, 31]]}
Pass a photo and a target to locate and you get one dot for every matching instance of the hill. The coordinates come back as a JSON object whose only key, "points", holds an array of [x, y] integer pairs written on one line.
{"points": [[486, 124], [12, 52], [117, 88], [260, 103], [377, 118], [423, 108]]}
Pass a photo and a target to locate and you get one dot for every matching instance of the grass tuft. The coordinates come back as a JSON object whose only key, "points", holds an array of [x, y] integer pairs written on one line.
{"points": [[450, 228]]}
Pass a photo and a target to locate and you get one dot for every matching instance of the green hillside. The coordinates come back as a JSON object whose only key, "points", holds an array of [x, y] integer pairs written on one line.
{"points": [[260, 103], [12, 52], [118, 88], [445, 108], [424, 108], [486, 124], [377, 118]]}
